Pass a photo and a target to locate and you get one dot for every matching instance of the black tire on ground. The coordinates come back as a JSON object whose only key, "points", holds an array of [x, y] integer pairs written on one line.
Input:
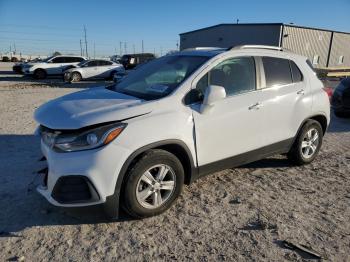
{"points": [[39, 74], [341, 114], [75, 77], [295, 154], [147, 161]]}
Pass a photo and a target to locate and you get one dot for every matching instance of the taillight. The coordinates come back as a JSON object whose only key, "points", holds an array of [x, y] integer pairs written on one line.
{"points": [[329, 91]]}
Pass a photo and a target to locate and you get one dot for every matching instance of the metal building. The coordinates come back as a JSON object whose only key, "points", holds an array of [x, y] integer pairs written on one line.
{"points": [[324, 48]]}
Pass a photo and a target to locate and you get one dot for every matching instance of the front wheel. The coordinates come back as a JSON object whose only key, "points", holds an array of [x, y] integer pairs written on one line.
{"points": [[76, 77], [40, 74], [307, 144], [153, 184]]}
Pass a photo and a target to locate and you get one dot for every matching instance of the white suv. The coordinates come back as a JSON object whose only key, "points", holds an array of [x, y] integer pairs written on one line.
{"points": [[135, 144], [92, 69], [53, 65]]}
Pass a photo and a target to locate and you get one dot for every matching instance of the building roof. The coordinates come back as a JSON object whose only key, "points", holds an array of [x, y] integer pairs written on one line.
{"points": [[264, 24]]}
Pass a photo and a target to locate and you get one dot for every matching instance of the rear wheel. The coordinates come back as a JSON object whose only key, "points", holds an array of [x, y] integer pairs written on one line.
{"points": [[153, 184], [76, 77], [307, 144], [40, 74]]}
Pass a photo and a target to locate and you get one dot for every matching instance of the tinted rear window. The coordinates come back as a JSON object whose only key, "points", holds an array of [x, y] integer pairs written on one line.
{"points": [[277, 71], [296, 73]]}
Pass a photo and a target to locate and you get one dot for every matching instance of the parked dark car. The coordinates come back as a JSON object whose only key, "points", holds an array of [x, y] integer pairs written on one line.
{"points": [[341, 98], [18, 67], [130, 61]]}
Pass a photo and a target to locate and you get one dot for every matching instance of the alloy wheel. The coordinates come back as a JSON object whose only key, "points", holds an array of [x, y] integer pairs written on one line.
{"points": [[155, 186], [310, 143]]}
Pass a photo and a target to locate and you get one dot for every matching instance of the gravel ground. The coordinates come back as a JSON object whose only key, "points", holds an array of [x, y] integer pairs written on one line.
{"points": [[241, 214]]}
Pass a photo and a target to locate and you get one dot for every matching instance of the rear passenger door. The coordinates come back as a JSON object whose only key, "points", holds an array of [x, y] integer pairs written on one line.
{"points": [[91, 69], [105, 69], [285, 98]]}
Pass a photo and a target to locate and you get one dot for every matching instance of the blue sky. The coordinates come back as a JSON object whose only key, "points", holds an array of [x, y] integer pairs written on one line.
{"points": [[41, 27]]}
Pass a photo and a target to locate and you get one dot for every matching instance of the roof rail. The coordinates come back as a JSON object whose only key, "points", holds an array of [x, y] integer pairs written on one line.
{"points": [[203, 48], [269, 47]]}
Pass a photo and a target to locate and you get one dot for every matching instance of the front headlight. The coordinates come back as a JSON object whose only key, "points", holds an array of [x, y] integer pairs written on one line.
{"points": [[87, 139]]}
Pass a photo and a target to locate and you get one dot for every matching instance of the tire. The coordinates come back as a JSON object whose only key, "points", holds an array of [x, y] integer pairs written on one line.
{"points": [[40, 74], [152, 161], [75, 77], [306, 146]]}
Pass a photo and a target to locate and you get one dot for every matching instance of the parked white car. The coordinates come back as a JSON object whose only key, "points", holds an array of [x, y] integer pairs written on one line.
{"points": [[179, 117], [93, 69], [53, 65]]}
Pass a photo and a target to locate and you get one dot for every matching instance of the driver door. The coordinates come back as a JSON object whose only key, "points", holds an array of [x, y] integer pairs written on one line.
{"points": [[231, 128]]}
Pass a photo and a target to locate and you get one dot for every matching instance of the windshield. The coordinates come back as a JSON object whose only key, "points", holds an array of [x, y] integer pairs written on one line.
{"points": [[47, 59], [160, 77], [83, 63]]}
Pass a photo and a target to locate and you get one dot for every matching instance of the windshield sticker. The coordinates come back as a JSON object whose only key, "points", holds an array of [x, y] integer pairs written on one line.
{"points": [[158, 88]]}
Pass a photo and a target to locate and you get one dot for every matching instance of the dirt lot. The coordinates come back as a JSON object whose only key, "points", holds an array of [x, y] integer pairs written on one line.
{"points": [[241, 214]]}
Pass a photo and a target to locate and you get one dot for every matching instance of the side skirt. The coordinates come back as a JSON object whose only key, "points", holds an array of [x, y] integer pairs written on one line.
{"points": [[245, 158]]}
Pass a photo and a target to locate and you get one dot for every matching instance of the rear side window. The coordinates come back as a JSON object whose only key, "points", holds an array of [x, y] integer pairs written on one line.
{"points": [[277, 71], [73, 59], [296, 73], [308, 62]]}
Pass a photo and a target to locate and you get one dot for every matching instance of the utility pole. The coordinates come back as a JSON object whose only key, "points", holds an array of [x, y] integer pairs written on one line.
{"points": [[94, 51], [120, 48], [125, 48], [86, 49], [142, 47], [81, 49]]}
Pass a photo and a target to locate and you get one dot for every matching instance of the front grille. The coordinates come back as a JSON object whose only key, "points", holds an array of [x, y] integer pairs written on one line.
{"points": [[74, 189]]}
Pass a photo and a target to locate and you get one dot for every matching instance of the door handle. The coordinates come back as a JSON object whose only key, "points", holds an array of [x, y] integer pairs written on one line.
{"points": [[256, 106], [301, 92]]}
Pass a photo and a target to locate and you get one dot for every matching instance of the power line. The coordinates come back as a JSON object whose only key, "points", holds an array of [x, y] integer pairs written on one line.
{"points": [[39, 26], [86, 49]]}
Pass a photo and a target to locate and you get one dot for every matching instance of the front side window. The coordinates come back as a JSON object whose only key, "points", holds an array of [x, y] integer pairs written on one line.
{"points": [[236, 75], [277, 71], [159, 77], [58, 60]]}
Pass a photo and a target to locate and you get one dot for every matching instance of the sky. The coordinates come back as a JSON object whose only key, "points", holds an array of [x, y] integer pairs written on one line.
{"points": [[42, 27]]}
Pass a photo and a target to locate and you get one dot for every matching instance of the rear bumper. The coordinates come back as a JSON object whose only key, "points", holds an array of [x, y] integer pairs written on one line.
{"points": [[82, 178]]}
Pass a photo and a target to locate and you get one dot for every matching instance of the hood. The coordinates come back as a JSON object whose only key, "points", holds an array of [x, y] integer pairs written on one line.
{"points": [[89, 107]]}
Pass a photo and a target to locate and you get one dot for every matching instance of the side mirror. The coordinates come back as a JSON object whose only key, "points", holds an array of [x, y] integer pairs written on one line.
{"points": [[212, 94]]}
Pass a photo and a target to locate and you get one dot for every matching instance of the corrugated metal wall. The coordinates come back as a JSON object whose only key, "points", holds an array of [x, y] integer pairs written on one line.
{"points": [[308, 42], [230, 35], [340, 47]]}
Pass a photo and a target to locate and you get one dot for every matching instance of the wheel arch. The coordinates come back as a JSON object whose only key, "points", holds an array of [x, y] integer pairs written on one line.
{"points": [[322, 119], [174, 146]]}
